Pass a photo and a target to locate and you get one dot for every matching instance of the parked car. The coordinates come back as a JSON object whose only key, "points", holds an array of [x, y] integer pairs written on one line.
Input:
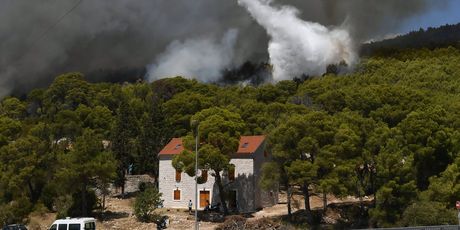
{"points": [[14, 227], [86, 223]]}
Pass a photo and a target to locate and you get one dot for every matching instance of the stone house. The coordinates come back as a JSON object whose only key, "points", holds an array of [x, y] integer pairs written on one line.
{"points": [[241, 184]]}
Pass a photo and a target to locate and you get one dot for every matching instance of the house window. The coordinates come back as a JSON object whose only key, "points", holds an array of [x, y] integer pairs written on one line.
{"points": [[231, 173], [245, 145], [177, 194], [204, 175], [265, 154], [178, 175]]}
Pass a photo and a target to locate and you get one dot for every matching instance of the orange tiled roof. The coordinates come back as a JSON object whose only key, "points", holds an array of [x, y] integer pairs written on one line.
{"points": [[173, 147], [247, 145]]}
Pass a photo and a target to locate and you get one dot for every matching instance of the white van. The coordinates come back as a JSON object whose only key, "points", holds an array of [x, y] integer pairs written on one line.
{"points": [[74, 224]]}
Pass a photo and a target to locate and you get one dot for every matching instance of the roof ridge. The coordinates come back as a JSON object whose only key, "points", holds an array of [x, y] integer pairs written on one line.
{"points": [[246, 145]]}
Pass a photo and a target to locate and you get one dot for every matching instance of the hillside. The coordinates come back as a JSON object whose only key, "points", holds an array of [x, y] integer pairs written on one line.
{"points": [[430, 38], [389, 130]]}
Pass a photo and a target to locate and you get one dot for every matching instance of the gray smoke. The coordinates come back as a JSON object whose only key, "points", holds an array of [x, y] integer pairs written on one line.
{"points": [[200, 58], [123, 33]]}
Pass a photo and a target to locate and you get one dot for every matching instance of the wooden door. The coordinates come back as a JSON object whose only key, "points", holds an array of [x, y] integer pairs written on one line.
{"points": [[232, 200], [204, 196]]}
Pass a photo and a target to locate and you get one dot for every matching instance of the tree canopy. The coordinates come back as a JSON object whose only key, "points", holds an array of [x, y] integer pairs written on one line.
{"points": [[387, 130]]}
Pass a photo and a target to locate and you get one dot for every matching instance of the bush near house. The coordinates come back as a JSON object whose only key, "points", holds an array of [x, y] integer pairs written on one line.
{"points": [[146, 203]]}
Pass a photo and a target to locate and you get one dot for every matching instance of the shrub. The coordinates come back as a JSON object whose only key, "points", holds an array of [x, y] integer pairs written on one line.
{"points": [[62, 204], [15, 211], [91, 202], [425, 213], [146, 203], [144, 185], [70, 205], [40, 209], [49, 195]]}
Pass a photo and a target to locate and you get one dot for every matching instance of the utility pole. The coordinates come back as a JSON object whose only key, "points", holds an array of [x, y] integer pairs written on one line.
{"points": [[457, 205], [196, 177]]}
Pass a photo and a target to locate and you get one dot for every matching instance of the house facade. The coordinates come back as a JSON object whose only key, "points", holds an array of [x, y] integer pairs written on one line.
{"points": [[241, 183]]}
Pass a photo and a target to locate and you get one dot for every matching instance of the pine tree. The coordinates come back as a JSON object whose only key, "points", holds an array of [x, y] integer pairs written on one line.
{"points": [[124, 144], [83, 166]]}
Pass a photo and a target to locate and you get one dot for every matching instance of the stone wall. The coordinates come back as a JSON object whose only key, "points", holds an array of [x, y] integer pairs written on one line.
{"points": [[264, 198], [243, 184], [132, 183], [167, 184]]}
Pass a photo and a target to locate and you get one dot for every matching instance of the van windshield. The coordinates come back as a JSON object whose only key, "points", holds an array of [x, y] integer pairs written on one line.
{"points": [[90, 226]]}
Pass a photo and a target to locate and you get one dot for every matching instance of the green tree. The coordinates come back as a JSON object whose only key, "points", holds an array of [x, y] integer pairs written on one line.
{"points": [[35, 99], [444, 188], [67, 124], [25, 162], [298, 145], [67, 91], [13, 108], [124, 142], [146, 203], [100, 119], [10, 129], [219, 131], [181, 108], [83, 165], [428, 213], [153, 136], [396, 182], [428, 137]]}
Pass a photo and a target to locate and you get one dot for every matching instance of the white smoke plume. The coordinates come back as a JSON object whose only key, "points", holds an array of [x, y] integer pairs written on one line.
{"points": [[202, 59], [297, 47]]}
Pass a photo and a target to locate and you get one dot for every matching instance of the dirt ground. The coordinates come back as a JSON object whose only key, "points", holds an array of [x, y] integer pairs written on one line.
{"points": [[120, 214], [124, 218], [297, 203]]}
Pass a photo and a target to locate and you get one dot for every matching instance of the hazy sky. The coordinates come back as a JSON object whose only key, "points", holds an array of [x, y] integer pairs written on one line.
{"points": [[450, 14]]}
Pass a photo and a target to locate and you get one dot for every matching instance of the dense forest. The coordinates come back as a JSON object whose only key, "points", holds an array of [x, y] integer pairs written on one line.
{"points": [[431, 38], [388, 130]]}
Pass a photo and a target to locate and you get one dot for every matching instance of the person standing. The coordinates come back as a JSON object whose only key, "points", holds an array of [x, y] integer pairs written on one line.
{"points": [[207, 206], [190, 204]]}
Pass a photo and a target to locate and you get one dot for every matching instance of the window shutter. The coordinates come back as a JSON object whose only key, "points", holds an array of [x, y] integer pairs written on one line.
{"points": [[177, 194], [178, 175]]}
